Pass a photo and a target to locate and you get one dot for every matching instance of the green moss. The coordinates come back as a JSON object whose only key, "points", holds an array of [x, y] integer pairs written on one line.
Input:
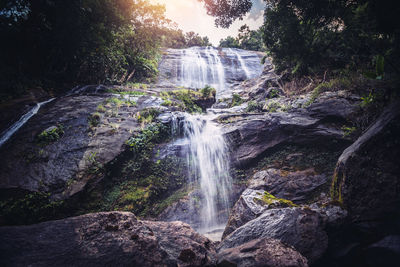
{"points": [[336, 190], [50, 135], [332, 85], [270, 199], [121, 91]]}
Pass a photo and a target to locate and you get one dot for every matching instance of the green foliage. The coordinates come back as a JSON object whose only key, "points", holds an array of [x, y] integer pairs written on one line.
{"points": [[329, 34], [208, 92], [148, 115], [379, 69], [50, 135], [348, 131], [94, 120], [367, 100], [274, 93], [253, 106], [246, 39], [78, 41], [29, 208], [187, 98], [101, 108], [236, 100], [175, 38]]}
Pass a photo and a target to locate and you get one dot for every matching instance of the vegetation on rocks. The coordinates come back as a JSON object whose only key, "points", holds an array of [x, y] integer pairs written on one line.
{"points": [[270, 199]]}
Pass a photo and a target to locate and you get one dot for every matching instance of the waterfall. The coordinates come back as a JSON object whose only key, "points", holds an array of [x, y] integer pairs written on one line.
{"points": [[242, 63], [209, 163], [24, 119], [196, 67]]}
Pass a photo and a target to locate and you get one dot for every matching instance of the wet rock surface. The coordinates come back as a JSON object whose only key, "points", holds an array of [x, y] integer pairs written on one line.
{"points": [[49, 166], [261, 252], [251, 135], [105, 239], [248, 207], [367, 176], [301, 228], [294, 186]]}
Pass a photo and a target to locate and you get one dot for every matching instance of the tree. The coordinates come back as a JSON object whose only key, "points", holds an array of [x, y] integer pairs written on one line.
{"points": [[227, 11]]}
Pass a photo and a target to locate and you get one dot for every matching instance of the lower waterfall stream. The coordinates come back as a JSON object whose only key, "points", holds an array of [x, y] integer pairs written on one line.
{"points": [[208, 162]]}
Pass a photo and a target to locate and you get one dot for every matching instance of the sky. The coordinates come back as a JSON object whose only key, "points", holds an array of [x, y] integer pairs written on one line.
{"points": [[190, 15]]}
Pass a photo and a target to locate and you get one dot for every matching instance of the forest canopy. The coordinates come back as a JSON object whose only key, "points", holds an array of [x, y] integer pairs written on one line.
{"points": [[311, 35], [57, 43]]}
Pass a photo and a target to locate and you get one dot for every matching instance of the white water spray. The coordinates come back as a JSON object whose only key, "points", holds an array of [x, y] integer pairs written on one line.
{"points": [[208, 160]]}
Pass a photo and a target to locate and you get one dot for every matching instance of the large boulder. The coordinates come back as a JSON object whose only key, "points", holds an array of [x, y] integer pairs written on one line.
{"points": [[61, 165], [300, 228], [295, 186], [248, 207], [104, 239], [367, 175], [266, 252]]}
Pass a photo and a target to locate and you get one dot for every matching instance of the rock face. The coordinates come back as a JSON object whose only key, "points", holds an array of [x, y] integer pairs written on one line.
{"points": [[104, 239], [300, 228], [294, 186], [64, 165], [367, 176], [247, 208], [251, 135], [265, 252]]}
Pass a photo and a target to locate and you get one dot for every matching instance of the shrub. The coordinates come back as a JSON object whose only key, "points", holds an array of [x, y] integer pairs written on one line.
{"points": [[208, 92], [236, 100], [94, 119], [253, 106], [50, 135], [147, 115]]}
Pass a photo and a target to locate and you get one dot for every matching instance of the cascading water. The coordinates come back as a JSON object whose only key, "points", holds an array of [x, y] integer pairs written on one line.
{"points": [[24, 118], [196, 67], [207, 152], [209, 164]]}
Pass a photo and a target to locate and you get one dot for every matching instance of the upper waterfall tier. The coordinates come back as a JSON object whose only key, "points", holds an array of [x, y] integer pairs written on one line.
{"points": [[197, 67]]}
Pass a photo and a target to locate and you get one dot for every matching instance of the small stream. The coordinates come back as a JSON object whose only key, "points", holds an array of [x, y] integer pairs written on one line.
{"points": [[6, 135]]}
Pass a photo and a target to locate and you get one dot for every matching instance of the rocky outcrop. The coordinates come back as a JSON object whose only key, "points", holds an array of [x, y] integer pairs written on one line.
{"points": [[105, 239], [265, 252], [295, 186], [300, 228], [248, 207], [367, 176], [251, 135], [49, 166]]}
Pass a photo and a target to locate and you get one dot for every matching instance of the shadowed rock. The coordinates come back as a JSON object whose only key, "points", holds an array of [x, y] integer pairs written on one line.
{"points": [[300, 228], [266, 252], [104, 239]]}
